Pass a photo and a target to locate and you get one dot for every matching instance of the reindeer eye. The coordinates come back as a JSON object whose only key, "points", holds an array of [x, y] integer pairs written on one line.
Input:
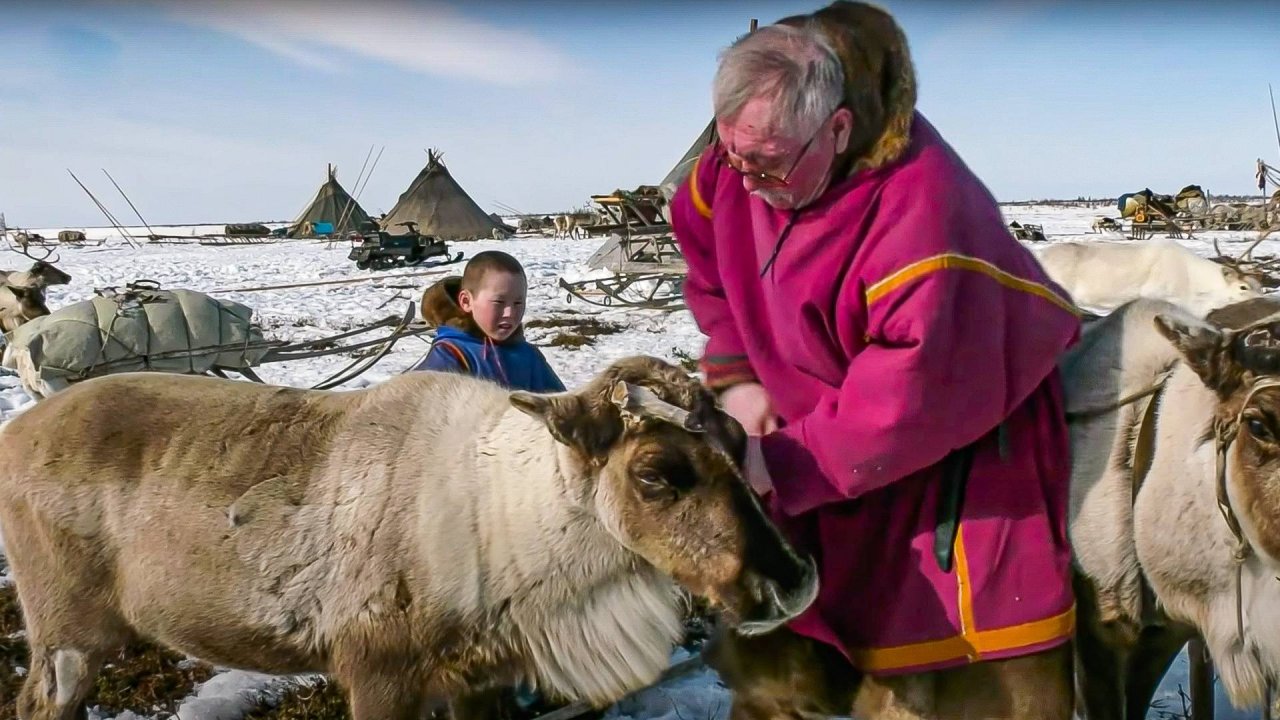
{"points": [[654, 488], [1258, 429], [665, 477]]}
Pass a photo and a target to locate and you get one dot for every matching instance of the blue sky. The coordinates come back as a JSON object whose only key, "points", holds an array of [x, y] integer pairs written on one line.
{"points": [[219, 112]]}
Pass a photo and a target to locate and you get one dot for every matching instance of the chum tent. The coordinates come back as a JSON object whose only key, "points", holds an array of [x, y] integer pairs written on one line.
{"points": [[332, 212], [440, 207], [672, 181]]}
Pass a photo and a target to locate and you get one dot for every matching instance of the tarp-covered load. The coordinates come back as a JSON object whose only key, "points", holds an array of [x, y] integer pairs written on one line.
{"points": [[178, 331], [247, 230], [1132, 204], [1191, 199]]}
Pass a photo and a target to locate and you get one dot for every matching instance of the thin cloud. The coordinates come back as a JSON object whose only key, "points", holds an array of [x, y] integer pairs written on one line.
{"points": [[425, 39]]}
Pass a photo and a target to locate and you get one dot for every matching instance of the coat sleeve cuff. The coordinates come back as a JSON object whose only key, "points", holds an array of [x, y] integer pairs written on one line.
{"points": [[720, 372]]}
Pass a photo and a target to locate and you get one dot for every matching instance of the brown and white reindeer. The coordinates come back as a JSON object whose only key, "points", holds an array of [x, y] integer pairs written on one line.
{"points": [[575, 224], [22, 291], [1175, 507], [429, 537], [566, 226]]}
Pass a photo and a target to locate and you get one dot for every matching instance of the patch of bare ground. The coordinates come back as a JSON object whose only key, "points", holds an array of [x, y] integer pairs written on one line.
{"points": [[575, 332]]}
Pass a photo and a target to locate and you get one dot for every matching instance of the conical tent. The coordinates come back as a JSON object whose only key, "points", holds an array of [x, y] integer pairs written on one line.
{"points": [[332, 205], [502, 223], [440, 207], [672, 181]]}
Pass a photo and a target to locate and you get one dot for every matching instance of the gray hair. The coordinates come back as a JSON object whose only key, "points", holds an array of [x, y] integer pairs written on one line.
{"points": [[795, 66]]}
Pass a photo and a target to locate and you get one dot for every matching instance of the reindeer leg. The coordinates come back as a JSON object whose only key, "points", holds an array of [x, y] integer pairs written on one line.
{"points": [[1148, 663], [72, 623], [1102, 649], [377, 694]]}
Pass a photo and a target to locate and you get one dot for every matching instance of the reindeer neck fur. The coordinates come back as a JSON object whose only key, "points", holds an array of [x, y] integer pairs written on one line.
{"points": [[596, 619], [1191, 566]]}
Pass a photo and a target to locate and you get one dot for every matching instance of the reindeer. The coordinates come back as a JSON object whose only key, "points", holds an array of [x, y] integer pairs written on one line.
{"points": [[575, 224], [550, 537], [566, 226], [22, 291]]}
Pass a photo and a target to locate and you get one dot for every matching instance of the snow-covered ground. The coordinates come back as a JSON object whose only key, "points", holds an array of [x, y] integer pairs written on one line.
{"points": [[310, 312]]}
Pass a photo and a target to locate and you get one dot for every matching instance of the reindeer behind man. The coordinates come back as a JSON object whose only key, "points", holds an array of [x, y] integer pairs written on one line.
{"points": [[575, 224], [22, 291]]}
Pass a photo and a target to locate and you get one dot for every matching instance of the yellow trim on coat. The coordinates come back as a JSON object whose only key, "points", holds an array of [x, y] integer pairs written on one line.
{"points": [[696, 197], [964, 586], [971, 644], [956, 261]]}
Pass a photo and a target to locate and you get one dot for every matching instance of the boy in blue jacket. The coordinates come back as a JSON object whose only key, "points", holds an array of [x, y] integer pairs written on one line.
{"points": [[479, 333]]}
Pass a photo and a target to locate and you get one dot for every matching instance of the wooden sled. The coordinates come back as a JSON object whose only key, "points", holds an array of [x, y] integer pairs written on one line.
{"points": [[636, 260], [666, 293]]}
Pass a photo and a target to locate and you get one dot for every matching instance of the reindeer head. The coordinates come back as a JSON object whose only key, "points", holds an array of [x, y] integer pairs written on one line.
{"points": [[42, 274], [663, 479], [1242, 369], [19, 305]]}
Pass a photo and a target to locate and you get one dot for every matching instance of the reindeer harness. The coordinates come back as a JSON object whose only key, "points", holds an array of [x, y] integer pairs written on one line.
{"points": [[1224, 433]]}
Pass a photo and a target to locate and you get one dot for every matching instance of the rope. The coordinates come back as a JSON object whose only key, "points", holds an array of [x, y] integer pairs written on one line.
{"points": [[1225, 433], [1077, 415]]}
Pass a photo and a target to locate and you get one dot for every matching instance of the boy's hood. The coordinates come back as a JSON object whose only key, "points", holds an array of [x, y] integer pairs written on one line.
{"points": [[440, 309]]}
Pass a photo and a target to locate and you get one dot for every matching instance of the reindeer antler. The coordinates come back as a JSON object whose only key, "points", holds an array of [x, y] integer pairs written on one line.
{"points": [[44, 259], [644, 402]]}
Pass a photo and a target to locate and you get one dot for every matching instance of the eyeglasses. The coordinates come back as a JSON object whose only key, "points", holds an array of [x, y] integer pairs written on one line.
{"points": [[769, 179]]}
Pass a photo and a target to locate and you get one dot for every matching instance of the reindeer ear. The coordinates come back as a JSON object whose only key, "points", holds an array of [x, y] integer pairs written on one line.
{"points": [[589, 427], [1204, 348]]}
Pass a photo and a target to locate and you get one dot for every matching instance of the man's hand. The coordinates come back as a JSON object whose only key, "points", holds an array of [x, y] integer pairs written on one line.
{"points": [[749, 404], [754, 469]]}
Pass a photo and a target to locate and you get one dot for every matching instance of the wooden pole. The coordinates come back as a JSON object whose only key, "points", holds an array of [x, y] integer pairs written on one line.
{"points": [[145, 224], [351, 198], [1274, 118], [107, 213]]}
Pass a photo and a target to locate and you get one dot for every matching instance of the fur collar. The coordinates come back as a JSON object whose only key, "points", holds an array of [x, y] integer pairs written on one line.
{"points": [[880, 81]]}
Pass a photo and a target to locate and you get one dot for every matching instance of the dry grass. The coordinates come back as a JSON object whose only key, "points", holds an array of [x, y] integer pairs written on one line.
{"points": [[323, 700], [13, 651], [577, 331], [688, 362], [144, 677]]}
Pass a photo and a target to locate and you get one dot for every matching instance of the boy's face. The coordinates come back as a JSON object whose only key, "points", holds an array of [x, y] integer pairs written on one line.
{"points": [[497, 305]]}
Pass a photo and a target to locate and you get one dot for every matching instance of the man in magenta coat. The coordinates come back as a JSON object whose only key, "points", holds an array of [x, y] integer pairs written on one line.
{"points": [[892, 348]]}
